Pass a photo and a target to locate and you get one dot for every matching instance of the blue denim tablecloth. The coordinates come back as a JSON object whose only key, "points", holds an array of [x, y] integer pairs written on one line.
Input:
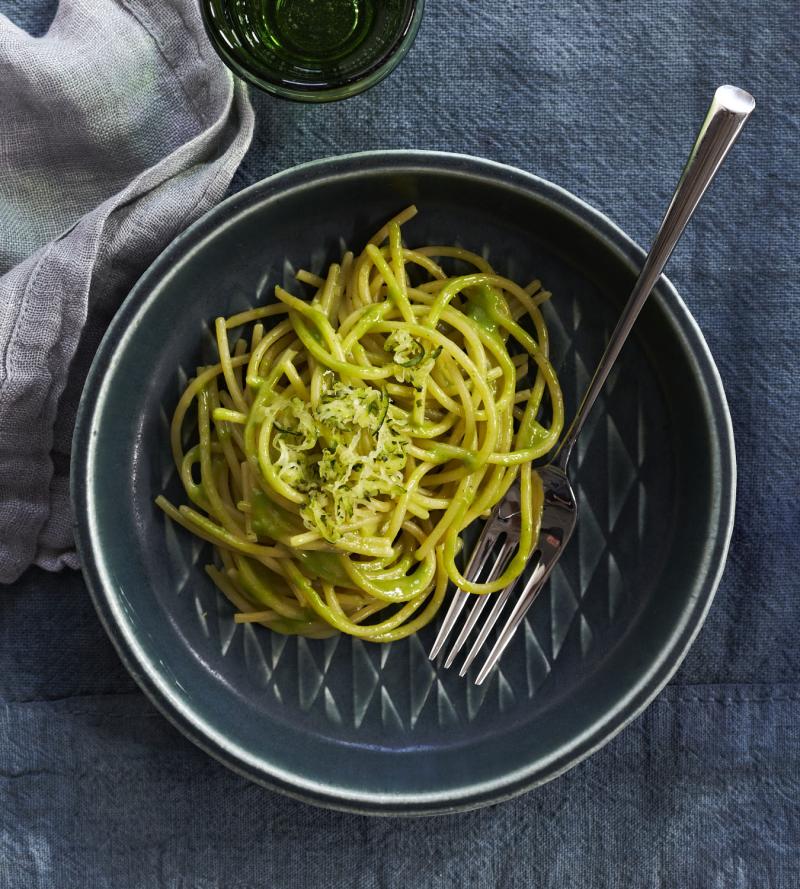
{"points": [[703, 790]]}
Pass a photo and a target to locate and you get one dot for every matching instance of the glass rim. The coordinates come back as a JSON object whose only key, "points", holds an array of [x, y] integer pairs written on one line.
{"points": [[332, 88]]}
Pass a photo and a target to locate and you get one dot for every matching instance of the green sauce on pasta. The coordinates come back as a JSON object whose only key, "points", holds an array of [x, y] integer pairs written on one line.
{"points": [[345, 442]]}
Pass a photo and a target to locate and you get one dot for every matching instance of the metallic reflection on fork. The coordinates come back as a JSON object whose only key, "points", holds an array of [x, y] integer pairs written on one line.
{"points": [[490, 558], [729, 110]]}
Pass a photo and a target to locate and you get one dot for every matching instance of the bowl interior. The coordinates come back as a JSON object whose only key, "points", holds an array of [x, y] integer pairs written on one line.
{"points": [[380, 728]]}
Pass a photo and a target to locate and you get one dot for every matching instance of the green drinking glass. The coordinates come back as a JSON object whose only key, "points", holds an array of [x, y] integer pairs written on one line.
{"points": [[312, 50]]}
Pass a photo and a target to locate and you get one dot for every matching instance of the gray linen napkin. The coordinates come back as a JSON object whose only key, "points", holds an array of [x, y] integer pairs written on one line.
{"points": [[117, 128]]}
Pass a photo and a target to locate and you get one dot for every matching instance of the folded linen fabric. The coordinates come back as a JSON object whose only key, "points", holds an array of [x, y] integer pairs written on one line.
{"points": [[118, 127]]}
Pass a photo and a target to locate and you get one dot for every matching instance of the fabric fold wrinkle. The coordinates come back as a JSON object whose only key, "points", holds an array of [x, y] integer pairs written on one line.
{"points": [[120, 132]]}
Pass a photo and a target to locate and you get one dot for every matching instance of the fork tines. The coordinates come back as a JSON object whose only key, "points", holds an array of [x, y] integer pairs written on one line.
{"points": [[495, 548]]}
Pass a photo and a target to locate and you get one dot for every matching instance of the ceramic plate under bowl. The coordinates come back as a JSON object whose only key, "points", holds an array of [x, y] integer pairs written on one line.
{"points": [[374, 728]]}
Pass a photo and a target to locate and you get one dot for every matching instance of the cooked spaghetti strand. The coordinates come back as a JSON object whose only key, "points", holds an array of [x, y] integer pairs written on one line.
{"points": [[342, 449]]}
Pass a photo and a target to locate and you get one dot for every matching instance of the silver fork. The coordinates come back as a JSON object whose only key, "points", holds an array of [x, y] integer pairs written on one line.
{"points": [[726, 116]]}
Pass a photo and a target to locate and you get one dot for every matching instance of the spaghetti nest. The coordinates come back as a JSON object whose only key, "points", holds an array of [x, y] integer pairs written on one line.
{"points": [[344, 446]]}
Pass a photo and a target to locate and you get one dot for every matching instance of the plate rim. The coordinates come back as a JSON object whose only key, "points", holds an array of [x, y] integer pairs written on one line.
{"points": [[160, 693]]}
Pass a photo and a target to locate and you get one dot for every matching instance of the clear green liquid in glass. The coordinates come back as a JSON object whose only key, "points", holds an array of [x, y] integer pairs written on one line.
{"points": [[314, 32], [297, 46], [319, 30]]}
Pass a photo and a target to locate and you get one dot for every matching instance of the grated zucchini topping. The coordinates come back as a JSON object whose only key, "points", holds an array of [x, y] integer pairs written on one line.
{"points": [[343, 454]]}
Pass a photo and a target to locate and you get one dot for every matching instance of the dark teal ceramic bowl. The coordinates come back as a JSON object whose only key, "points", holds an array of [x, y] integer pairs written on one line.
{"points": [[378, 729]]}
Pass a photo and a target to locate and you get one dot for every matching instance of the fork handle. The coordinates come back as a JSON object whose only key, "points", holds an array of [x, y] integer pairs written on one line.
{"points": [[726, 116]]}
